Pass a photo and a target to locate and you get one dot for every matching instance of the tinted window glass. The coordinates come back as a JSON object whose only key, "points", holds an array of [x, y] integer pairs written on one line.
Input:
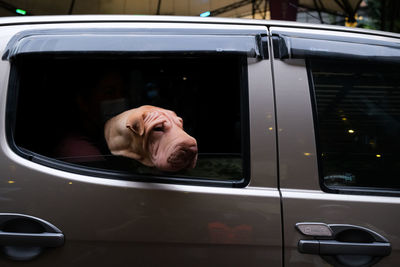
{"points": [[358, 111], [63, 103]]}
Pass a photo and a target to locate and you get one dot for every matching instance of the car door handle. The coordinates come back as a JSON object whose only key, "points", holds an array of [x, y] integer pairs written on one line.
{"points": [[343, 244], [24, 237], [332, 247], [31, 239]]}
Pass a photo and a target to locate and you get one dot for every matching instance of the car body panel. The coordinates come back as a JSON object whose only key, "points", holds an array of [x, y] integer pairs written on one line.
{"points": [[116, 222], [31, 20], [302, 197]]}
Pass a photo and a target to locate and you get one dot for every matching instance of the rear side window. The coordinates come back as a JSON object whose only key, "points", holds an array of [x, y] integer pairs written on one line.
{"points": [[358, 122], [61, 103]]}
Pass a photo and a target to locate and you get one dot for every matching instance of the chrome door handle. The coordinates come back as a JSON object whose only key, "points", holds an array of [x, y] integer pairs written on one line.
{"points": [[332, 247], [24, 237], [31, 239], [343, 244]]}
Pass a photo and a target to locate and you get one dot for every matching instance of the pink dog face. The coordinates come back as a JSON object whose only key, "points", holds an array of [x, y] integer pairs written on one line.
{"points": [[153, 136], [169, 146]]}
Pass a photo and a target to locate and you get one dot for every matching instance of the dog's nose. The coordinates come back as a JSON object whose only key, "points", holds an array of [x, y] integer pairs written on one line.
{"points": [[185, 153], [193, 149], [184, 156], [188, 152]]}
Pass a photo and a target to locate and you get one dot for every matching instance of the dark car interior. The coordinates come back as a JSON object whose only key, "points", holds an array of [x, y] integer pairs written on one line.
{"points": [[58, 95]]}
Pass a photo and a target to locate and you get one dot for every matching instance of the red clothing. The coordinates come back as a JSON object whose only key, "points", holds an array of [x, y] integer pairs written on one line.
{"points": [[78, 148]]}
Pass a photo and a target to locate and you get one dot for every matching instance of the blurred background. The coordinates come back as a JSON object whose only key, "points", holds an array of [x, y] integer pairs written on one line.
{"points": [[373, 14]]}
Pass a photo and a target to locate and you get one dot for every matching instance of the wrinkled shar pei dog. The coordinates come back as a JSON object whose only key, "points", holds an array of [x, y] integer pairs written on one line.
{"points": [[152, 136]]}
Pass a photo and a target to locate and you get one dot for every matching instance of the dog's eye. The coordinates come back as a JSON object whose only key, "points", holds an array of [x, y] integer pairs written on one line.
{"points": [[158, 128]]}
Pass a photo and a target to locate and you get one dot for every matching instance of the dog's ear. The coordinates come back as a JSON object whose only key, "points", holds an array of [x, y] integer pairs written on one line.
{"points": [[135, 123]]}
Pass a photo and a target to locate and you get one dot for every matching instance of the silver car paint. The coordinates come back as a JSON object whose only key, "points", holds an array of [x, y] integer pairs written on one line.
{"points": [[262, 125], [114, 223], [111, 222], [302, 199], [230, 22]]}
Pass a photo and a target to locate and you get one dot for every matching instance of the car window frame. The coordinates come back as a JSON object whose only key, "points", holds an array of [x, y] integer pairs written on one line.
{"points": [[367, 41], [337, 189], [11, 108]]}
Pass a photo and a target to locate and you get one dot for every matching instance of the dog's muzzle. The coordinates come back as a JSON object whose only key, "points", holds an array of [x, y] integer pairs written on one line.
{"points": [[183, 157]]}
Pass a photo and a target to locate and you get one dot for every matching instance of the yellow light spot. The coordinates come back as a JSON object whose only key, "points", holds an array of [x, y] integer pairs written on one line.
{"points": [[344, 119], [11, 182], [351, 131], [270, 128], [70, 183], [353, 24], [378, 156], [350, 24], [307, 154]]}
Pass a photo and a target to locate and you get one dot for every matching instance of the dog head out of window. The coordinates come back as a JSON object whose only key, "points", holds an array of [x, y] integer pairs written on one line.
{"points": [[152, 136]]}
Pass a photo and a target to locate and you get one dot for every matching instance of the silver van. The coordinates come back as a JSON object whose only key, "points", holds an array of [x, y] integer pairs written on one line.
{"points": [[297, 129]]}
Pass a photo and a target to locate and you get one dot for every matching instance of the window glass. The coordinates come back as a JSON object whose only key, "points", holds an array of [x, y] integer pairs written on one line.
{"points": [[358, 120], [64, 102]]}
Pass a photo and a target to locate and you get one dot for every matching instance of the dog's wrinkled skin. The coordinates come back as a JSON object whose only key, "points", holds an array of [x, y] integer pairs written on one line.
{"points": [[152, 136]]}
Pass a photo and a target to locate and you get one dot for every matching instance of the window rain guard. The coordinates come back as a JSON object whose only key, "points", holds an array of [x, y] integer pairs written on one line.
{"points": [[314, 46], [83, 42]]}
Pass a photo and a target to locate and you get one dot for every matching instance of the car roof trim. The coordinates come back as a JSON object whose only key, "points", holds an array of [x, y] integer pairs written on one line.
{"points": [[6, 21]]}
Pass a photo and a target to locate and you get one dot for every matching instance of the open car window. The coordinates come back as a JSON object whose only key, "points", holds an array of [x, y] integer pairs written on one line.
{"points": [[61, 103]]}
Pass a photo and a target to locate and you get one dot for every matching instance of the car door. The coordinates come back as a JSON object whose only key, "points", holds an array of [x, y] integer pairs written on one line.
{"points": [[57, 212], [337, 120]]}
